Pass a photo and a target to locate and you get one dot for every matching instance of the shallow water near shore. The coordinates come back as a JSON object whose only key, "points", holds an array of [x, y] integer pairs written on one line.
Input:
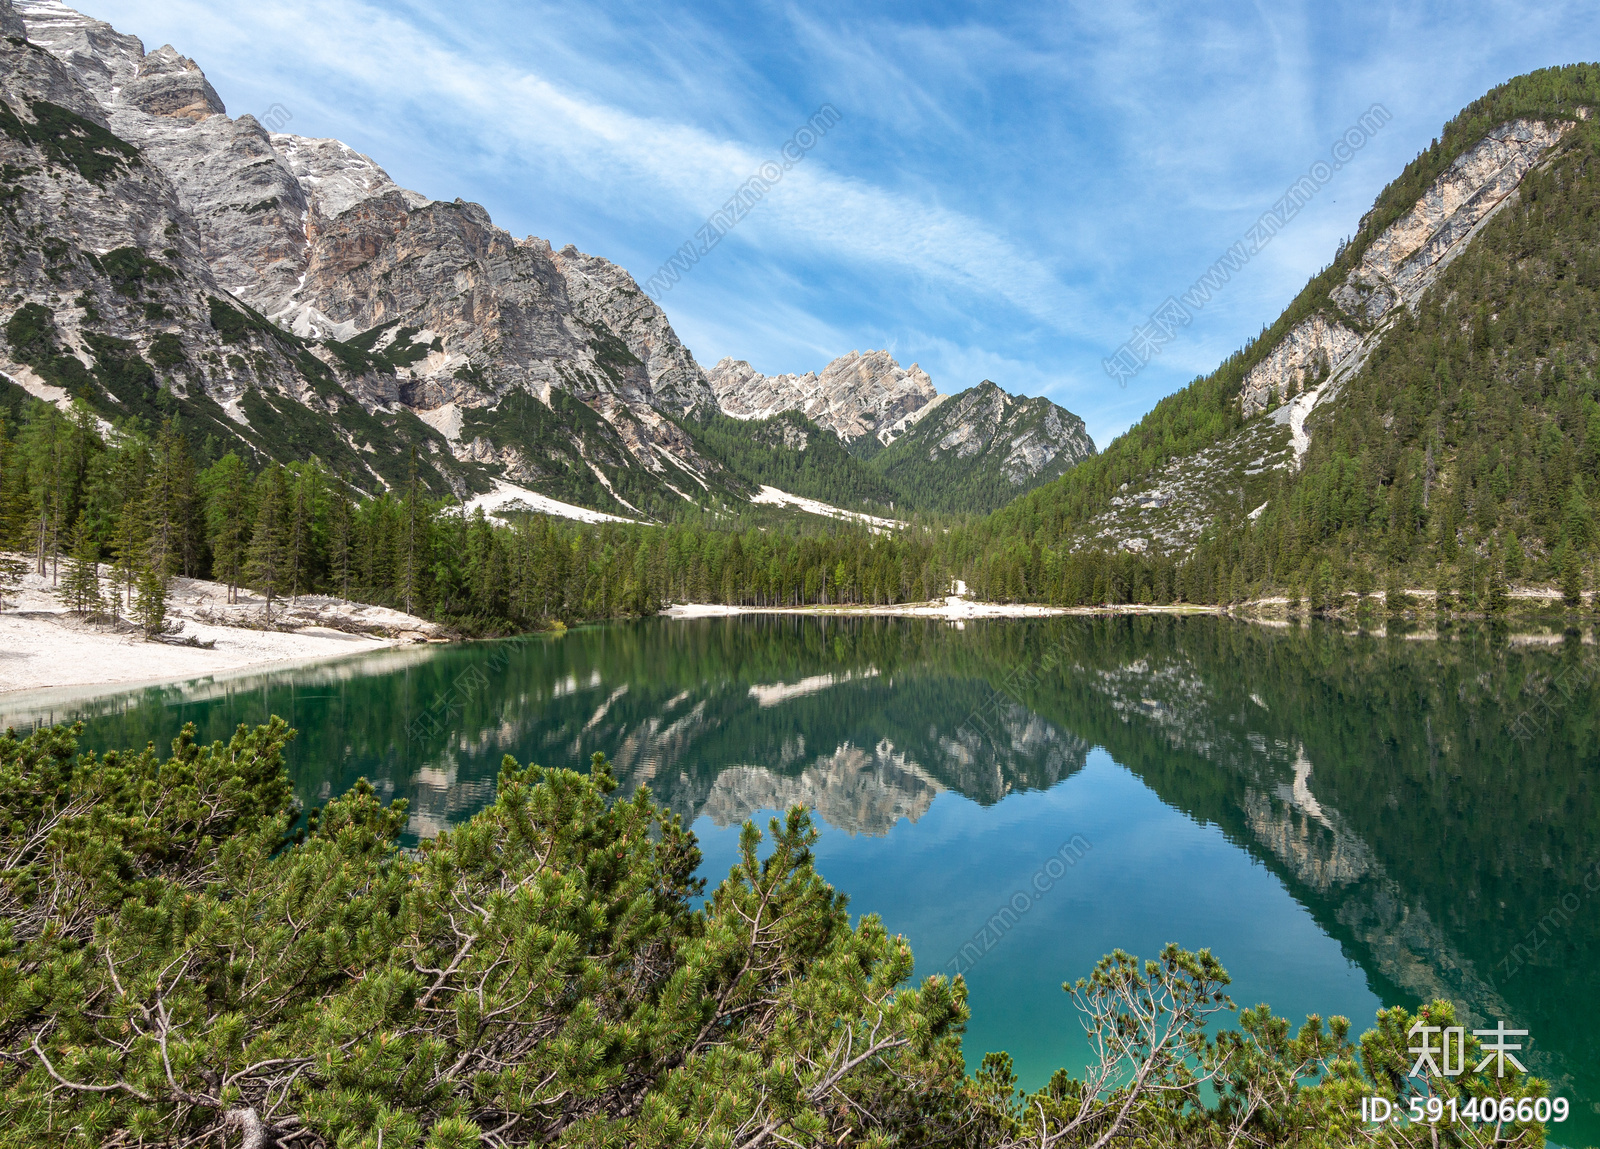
{"points": [[1347, 821]]}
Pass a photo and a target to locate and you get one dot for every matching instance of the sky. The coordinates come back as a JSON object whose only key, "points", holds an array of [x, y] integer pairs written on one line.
{"points": [[1008, 190]]}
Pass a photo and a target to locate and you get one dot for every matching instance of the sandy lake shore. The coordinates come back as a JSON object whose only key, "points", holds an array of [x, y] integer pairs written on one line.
{"points": [[43, 646]]}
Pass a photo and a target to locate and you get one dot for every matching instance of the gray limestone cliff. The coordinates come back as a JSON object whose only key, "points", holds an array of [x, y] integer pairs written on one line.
{"points": [[318, 239], [855, 396], [1401, 263]]}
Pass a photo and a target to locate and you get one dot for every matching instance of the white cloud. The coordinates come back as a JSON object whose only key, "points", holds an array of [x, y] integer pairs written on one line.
{"points": [[1024, 180], [652, 166]]}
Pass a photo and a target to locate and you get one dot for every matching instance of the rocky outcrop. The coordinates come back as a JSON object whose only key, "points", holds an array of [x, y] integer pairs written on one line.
{"points": [[171, 85], [1396, 268], [605, 297], [854, 396], [1305, 357], [1400, 264]]}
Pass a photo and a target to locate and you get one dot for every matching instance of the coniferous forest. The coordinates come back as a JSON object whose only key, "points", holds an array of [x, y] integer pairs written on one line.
{"points": [[152, 505], [147, 506]]}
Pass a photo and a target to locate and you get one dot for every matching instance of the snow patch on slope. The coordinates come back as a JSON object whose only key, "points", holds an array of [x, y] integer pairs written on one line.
{"points": [[507, 498], [774, 497]]}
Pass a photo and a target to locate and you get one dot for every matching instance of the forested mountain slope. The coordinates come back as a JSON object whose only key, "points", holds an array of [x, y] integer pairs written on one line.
{"points": [[968, 453], [1427, 404], [978, 450]]}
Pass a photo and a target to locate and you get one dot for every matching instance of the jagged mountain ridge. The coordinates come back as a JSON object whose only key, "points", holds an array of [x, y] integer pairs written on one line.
{"points": [[318, 239], [971, 452], [110, 296], [867, 399], [361, 321], [978, 450]]}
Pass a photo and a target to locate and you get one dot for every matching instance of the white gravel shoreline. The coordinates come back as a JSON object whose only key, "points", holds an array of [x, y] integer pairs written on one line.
{"points": [[954, 608], [43, 647]]}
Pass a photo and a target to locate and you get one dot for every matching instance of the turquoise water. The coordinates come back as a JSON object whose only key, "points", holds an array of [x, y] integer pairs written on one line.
{"points": [[972, 861], [1347, 821]]}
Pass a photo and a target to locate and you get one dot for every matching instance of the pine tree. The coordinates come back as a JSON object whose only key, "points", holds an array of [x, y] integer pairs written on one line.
{"points": [[42, 445], [268, 543], [1322, 588], [341, 541], [300, 541], [1395, 598], [228, 514], [80, 590], [130, 542], [412, 541], [1499, 595], [162, 505], [150, 608], [1514, 557], [1444, 598], [1569, 565]]}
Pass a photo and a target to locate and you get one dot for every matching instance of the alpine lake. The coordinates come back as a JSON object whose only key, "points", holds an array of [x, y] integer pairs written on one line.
{"points": [[1348, 819]]}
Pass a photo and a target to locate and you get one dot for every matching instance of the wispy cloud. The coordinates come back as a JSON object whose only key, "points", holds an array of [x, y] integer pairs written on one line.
{"points": [[654, 166], [1013, 185]]}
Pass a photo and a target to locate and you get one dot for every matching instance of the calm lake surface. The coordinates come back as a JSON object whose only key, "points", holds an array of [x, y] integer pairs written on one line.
{"points": [[1347, 821]]}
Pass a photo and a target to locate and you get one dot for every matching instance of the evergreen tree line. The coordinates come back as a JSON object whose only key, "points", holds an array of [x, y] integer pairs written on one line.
{"points": [[111, 518], [141, 508]]}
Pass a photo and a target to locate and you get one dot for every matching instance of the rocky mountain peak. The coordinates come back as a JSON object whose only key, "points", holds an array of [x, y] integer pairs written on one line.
{"points": [[97, 55], [334, 176], [1026, 435], [854, 395], [979, 449], [172, 85]]}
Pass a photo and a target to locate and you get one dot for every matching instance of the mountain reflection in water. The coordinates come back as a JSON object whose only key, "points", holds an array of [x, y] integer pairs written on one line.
{"points": [[1375, 778]]}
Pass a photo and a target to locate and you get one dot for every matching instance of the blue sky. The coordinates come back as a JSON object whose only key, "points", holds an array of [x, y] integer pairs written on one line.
{"points": [[1010, 189]]}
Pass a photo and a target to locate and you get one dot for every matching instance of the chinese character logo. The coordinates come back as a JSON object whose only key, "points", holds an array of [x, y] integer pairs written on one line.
{"points": [[1451, 1049], [1499, 1049], [1455, 1041]]}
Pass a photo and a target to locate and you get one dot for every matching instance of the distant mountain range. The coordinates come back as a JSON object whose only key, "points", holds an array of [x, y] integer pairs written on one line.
{"points": [[286, 299]]}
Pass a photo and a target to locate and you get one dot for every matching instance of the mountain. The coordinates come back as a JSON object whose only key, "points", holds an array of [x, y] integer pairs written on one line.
{"points": [[866, 400], [974, 451], [918, 449], [285, 297], [790, 452], [978, 450], [1427, 405]]}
